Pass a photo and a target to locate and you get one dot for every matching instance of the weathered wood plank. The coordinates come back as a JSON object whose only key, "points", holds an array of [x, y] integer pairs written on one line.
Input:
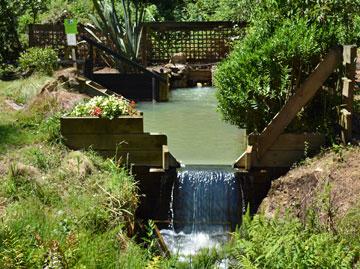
{"points": [[295, 103], [240, 162], [298, 142], [275, 158], [346, 125], [166, 153], [249, 156], [286, 150], [349, 61], [140, 158], [200, 75], [347, 87], [349, 54], [121, 142], [92, 125]]}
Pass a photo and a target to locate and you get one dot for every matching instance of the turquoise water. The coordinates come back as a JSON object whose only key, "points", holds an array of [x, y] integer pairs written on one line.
{"points": [[196, 133]]}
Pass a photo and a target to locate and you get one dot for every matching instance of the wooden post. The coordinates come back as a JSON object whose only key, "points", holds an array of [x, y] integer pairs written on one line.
{"points": [[349, 62]]}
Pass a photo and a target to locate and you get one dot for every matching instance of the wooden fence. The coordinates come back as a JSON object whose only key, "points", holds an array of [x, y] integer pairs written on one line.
{"points": [[202, 42], [53, 35]]}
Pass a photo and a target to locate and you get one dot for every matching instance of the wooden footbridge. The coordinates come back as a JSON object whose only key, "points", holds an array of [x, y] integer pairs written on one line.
{"points": [[273, 148]]}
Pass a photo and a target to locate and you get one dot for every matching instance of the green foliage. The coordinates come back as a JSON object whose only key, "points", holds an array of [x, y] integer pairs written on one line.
{"points": [[287, 243], [216, 10], [284, 42], [41, 60]]}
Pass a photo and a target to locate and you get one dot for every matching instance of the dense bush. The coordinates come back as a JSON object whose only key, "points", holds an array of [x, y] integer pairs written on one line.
{"points": [[41, 60], [285, 41]]}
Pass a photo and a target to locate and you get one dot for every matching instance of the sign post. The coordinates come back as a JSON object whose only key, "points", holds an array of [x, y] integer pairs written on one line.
{"points": [[71, 31]]}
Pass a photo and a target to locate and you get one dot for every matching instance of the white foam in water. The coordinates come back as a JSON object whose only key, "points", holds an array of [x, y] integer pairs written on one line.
{"points": [[185, 245]]}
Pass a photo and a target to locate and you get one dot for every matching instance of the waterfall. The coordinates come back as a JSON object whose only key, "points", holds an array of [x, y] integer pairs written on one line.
{"points": [[206, 205]]}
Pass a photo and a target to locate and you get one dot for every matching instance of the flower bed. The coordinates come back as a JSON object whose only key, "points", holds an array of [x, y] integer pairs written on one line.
{"points": [[108, 107]]}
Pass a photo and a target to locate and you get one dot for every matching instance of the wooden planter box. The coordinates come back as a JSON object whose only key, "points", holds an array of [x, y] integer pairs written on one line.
{"points": [[122, 137]]}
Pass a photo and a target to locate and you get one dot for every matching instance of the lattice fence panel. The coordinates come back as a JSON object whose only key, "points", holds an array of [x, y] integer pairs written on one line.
{"points": [[204, 42]]}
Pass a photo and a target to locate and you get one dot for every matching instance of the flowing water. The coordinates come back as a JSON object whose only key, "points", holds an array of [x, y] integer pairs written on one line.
{"points": [[206, 199], [206, 205]]}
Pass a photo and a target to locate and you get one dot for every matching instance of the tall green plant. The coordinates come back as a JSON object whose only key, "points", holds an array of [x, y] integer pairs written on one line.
{"points": [[121, 22]]}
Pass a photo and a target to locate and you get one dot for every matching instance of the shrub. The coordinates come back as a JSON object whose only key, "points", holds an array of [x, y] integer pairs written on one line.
{"points": [[285, 40], [42, 60]]}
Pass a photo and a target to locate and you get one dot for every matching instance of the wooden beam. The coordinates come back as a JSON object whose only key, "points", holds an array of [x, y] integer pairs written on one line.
{"points": [[348, 82], [346, 125], [296, 102], [122, 142], [93, 125]]}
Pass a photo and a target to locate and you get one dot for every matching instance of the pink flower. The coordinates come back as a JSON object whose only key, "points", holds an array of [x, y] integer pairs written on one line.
{"points": [[96, 112]]}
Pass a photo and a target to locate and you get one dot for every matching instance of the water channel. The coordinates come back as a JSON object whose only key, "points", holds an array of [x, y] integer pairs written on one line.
{"points": [[206, 196], [196, 134]]}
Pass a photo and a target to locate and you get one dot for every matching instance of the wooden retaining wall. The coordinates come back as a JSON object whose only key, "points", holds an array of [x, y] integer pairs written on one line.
{"points": [[121, 138]]}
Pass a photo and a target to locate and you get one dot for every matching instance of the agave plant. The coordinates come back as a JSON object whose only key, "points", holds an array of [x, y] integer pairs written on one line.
{"points": [[121, 21]]}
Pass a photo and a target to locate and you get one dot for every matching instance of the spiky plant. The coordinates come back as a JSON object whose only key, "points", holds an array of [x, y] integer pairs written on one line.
{"points": [[121, 21]]}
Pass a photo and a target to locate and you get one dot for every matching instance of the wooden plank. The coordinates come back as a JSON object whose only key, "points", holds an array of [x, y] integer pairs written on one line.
{"points": [[161, 241], [249, 157], [346, 125], [112, 142], [347, 87], [296, 102], [349, 54], [299, 142], [165, 160], [279, 158], [148, 158], [240, 162], [200, 75], [178, 26], [93, 125]]}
